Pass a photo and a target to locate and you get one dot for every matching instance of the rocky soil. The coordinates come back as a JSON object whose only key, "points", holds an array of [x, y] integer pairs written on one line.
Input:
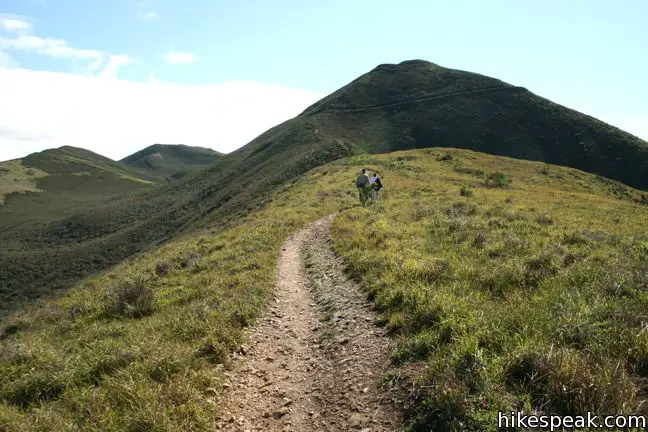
{"points": [[315, 361]]}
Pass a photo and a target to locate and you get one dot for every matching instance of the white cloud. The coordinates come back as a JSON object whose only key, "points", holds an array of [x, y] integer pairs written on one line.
{"points": [[48, 46], [175, 57], [114, 117], [110, 70], [14, 24], [24, 40]]}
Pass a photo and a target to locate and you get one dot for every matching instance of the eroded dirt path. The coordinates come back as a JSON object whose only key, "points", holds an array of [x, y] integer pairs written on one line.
{"points": [[314, 362]]}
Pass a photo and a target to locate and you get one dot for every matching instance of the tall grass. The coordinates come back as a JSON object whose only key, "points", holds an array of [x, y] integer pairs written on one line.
{"points": [[532, 297], [143, 347], [503, 309]]}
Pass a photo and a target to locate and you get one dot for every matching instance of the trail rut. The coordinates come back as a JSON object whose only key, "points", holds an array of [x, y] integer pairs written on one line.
{"points": [[314, 361], [427, 98]]}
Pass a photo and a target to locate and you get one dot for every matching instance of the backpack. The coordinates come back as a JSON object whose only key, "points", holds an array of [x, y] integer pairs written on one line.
{"points": [[377, 184], [362, 180]]}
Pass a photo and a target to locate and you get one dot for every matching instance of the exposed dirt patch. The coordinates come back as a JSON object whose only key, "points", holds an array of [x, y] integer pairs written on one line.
{"points": [[17, 178], [315, 361]]}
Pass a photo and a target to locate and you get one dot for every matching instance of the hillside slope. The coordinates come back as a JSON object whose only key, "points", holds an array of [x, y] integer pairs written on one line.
{"points": [[40, 197], [520, 289], [417, 104], [393, 107], [56, 182], [172, 161]]}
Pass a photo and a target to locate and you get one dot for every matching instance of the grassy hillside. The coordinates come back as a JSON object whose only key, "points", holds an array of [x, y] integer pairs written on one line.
{"points": [[411, 105], [172, 161], [139, 346], [105, 233], [36, 193], [530, 293], [54, 182], [15, 178]]}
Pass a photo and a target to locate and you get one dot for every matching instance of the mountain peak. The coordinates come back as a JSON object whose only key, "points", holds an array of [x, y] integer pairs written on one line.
{"points": [[415, 63], [409, 81]]}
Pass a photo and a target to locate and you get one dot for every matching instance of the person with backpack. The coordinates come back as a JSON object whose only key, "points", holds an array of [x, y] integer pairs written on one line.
{"points": [[375, 185], [362, 183]]}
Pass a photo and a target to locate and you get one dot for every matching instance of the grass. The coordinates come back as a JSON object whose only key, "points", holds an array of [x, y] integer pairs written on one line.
{"points": [[144, 346], [15, 178], [59, 221], [532, 295], [499, 309], [172, 161]]}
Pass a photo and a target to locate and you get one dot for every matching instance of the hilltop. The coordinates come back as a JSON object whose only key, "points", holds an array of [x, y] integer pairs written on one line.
{"points": [[503, 282], [417, 104], [53, 183], [172, 161], [414, 104]]}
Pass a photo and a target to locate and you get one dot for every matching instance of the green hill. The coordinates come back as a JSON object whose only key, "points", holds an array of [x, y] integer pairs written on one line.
{"points": [[506, 283], [417, 104], [53, 183], [172, 161], [393, 107], [49, 228]]}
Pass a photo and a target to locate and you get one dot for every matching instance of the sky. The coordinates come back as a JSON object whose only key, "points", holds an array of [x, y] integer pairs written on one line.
{"points": [[117, 76]]}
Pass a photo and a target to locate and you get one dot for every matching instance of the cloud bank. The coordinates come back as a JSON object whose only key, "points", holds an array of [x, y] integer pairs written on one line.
{"points": [[114, 117]]}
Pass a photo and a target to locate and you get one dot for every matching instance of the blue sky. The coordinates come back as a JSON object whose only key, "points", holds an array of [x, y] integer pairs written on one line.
{"points": [[224, 57]]}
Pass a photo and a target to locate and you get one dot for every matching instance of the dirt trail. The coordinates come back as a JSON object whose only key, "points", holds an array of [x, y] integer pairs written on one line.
{"points": [[431, 97], [314, 362]]}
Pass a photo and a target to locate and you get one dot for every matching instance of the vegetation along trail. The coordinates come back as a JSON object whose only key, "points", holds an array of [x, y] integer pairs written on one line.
{"points": [[315, 360]]}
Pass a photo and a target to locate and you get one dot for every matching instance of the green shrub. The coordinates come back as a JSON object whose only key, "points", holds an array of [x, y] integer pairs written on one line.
{"points": [[466, 191], [32, 389], [539, 268], [189, 259], [9, 330], [497, 179], [162, 267], [472, 171], [132, 297], [445, 157]]}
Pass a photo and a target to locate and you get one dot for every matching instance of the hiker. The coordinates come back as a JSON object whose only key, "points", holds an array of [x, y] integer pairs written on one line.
{"points": [[362, 183], [375, 185]]}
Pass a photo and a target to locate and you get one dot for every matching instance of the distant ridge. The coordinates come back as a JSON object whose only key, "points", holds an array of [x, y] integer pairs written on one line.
{"points": [[172, 160]]}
